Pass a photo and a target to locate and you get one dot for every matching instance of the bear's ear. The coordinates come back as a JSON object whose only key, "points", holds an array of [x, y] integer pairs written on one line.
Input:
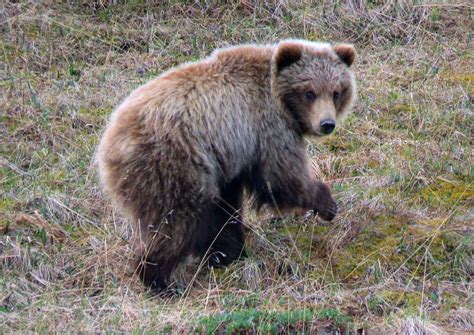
{"points": [[346, 53], [286, 54]]}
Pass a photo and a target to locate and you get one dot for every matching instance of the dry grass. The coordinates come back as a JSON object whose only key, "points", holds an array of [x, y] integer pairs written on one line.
{"points": [[399, 257]]}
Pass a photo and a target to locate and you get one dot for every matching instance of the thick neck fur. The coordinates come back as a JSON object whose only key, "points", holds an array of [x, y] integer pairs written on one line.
{"points": [[258, 63]]}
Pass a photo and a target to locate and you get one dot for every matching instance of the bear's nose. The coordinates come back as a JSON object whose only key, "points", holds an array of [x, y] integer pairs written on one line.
{"points": [[327, 126]]}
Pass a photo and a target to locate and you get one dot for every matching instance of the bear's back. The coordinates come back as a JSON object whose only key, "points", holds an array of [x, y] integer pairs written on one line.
{"points": [[211, 107]]}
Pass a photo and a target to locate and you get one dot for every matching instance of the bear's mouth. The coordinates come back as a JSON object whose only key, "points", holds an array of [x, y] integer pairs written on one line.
{"points": [[318, 134], [315, 130]]}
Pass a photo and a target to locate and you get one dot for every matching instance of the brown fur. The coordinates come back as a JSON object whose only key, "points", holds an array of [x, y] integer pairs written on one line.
{"points": [[180, 150]]}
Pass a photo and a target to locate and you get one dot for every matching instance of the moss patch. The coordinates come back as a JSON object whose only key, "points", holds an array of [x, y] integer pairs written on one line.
{"points": [[447, 193], [379, 249]]}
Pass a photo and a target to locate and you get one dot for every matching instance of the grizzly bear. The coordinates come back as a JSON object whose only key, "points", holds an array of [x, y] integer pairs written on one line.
{"points": [[180, 151]]}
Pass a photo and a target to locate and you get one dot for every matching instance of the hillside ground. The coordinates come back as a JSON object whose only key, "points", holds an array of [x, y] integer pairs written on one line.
{"points": [[397, 259]]}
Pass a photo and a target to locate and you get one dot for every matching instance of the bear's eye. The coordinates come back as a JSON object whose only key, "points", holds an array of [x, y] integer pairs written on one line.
{"points": [[310, 95], [336, 96]]}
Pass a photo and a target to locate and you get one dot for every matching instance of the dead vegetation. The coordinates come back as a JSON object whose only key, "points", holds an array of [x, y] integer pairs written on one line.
{"points": [[398, 258]]}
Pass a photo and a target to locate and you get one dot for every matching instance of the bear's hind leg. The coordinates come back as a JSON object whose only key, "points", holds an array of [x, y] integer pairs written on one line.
{"points": [[166, 248], [226, 243], [225, 240]]}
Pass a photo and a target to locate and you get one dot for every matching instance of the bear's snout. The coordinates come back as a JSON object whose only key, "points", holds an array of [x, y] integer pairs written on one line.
{"points": [[327, 126]]}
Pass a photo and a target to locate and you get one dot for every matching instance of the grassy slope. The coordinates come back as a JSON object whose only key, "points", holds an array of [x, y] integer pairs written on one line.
{"points": [[398, 257]]}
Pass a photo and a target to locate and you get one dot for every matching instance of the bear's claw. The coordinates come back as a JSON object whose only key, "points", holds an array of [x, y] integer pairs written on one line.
{"points": [[215, 260], [332, 211]]}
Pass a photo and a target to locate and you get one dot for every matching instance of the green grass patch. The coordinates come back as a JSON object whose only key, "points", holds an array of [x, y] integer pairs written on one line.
{"points": [[267, 322]]}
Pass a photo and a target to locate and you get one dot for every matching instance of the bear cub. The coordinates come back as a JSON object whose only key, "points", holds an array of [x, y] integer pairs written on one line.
{"points": [[179, 152]]}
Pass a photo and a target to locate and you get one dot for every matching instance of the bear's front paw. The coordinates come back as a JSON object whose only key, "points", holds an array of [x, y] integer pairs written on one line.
{"points": [[330, 213], [326, 207], [217, 260]]}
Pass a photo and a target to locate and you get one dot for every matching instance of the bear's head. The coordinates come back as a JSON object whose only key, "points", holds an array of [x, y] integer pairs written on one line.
{"points": [[314, 82]]}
